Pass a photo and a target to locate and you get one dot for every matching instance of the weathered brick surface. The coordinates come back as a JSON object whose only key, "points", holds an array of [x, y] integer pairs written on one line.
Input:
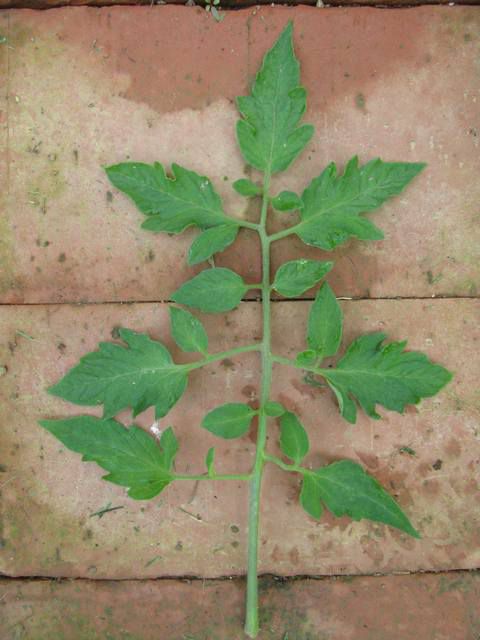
{"points": [[48, 494], [49, 4], [426, 607], [88, 87]]}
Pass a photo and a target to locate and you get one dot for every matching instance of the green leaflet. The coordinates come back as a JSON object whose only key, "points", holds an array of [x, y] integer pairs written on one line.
{"points": [[212, 241], [212, 291], [325, 321], [171, 205], [295, 277], [332, 204], [269, 135], [132, 457], [210, 461], [274, 409], [311, 497], [374, 373], [229, 421], [345, 489], [142, 376], [286, 201], [293, 437], [187, 331], [247, 188]]}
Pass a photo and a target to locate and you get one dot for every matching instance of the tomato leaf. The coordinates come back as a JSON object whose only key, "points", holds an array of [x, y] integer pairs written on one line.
{"points": [[210, 461], [293, 437], [332, 204], [141, 376], [325, 321], [247, 188], [229, 421], [373, 373], [310, 497], [212, 241], [171, 205], [286, 201], [295, 277], [346, 490], [187, 331], [212, 291], [269, 135], [132, 458]]}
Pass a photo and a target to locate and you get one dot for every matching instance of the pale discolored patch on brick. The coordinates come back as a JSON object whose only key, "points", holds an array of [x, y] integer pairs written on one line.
{"points": [[132, 93]]}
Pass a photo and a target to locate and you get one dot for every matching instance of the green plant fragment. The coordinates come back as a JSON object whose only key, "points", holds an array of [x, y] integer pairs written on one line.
{"points": [[187, 331], [332, 204], [325, 322], [231, 420], [347, 490], [269, 135], [171, 205], [310, 497], [274, 409], [212, 291], [307, 358], [297, 276], [286, 201], [211, 241], [247, 188], [293, 437], [373, 373], [210, 461], [140, 376], [132, 458]]}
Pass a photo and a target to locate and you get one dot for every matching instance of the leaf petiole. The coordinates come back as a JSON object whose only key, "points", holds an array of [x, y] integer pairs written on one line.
{"points": [[221, 355], [283, 465], [226, 476]]}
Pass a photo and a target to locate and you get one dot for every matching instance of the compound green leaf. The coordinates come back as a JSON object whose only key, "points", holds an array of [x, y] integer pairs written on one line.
{"points": [[141, 376], [346, 490], [212, 241], [230, 420], [212, 291], [287, 201], [295, 277], [293, 437], [373, 373], [171, 205], [187, 331], [132, 458], [325, 321], [269, 135], [247, 188], [332, 203], [310, 497]]}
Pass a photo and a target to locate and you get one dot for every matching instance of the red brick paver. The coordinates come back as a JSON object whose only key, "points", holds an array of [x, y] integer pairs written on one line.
{"points": [[49, 494], [428, 607], [88, 87]]}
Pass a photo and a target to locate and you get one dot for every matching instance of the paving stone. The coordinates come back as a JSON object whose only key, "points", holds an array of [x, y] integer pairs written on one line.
{"points": [[48, 4], [88, 87], [427, 607], [49, 495]]}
